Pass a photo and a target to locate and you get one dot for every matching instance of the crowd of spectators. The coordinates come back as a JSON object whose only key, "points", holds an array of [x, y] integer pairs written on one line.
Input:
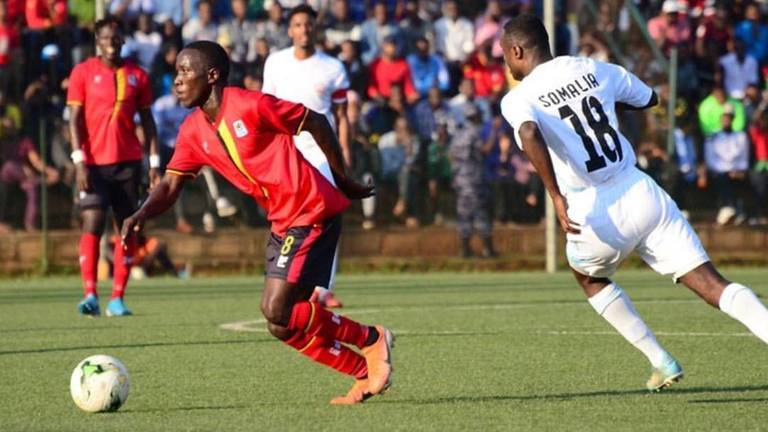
{"points": [[422, 72]]}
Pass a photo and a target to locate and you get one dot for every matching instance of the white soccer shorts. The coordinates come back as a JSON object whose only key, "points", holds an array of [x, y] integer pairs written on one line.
{"points": [[630, 213]]}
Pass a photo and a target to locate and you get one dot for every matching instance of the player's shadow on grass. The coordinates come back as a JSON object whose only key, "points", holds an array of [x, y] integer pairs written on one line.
{"points": [[594, 394], [135, 345], [720, 401]]}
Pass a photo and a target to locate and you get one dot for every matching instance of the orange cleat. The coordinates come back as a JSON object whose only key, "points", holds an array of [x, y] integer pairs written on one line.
{"points": [[357, 394], [379, 360]]}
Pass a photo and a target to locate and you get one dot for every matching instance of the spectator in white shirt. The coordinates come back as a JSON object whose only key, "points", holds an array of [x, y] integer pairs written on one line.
{"points": [[129, 10], [454, 35], [144, 44], [202, 26], [726, 154], [738, 69], [240, 31]]}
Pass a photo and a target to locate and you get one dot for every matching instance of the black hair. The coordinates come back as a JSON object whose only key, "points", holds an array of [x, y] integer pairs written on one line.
{"points": [[109, 21], [302, 9], [528, 31], [213, 56]]}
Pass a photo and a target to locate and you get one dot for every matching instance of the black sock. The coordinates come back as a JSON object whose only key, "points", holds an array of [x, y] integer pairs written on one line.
{"points": [[373, 336]]}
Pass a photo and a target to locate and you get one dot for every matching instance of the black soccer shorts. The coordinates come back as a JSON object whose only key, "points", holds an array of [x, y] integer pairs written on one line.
{"points": [[305, 255]]}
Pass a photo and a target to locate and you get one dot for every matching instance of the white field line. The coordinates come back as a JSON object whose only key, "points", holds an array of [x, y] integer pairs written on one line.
{"points": [[258, 325]]}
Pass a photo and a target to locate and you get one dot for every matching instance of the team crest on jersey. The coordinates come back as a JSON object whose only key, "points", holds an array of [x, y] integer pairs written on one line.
{"points": [[132, 81], [240, 129], [97, 79]]}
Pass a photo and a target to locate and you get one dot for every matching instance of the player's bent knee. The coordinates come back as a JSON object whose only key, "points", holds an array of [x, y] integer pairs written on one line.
{"points": [[275, 312], [279, 332]]}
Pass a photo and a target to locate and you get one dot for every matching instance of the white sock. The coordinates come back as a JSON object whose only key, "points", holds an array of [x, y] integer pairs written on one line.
{"points": [[616, 307], [741, 304]]}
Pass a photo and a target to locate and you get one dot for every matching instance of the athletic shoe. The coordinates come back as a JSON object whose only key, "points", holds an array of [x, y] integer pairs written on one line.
{"points": [[669, 373], [225, 208], [116, 307], [724, 215], [379, 360], [89, 306], [357, 394]]}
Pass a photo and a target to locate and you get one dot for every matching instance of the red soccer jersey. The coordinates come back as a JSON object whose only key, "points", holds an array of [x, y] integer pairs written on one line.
{"points": [[251, 145], [110, 98], [383, 74]]}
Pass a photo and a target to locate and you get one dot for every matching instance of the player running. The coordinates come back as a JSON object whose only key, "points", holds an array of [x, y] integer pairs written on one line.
{"points": [[301, 74], [248, 137], [563, 114], [104, 95]]}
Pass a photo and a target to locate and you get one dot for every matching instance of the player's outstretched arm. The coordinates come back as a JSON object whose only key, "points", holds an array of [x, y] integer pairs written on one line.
{"points": [[317, 125], [150, 144], [651, 103], [160, 199], [536, 149]]}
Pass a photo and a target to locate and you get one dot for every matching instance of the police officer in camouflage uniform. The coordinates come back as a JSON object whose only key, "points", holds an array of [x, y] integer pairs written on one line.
{"points": [[473, 192]]}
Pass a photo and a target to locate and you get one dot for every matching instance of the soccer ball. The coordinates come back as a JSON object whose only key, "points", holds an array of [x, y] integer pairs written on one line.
{"points": [[99, 383]]}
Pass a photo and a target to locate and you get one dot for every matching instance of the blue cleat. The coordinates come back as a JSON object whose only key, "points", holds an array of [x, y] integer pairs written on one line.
{"points": [[664, 376], [116, 307], [89, 306]]}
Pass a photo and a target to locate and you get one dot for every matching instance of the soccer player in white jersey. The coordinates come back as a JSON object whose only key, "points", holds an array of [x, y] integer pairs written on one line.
{"points": [[301, 74], [563, 115]]}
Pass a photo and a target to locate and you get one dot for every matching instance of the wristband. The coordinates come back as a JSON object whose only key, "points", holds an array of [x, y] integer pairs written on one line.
{"points": [[154, 161], [77, 156]]}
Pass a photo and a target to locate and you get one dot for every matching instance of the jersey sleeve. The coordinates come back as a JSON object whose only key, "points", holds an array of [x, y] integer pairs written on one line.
{"points": [[629, 89], [279, 115], [76, 90], [184, 161], [517, 111], [340, 87]]}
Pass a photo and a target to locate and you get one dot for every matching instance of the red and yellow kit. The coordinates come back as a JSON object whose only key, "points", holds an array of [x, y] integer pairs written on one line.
{"points": [[110, 98], [251, 145]]}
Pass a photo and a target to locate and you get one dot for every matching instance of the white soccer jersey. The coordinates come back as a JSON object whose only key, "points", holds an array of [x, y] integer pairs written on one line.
{"points": [[316, 82], [572, 100]]}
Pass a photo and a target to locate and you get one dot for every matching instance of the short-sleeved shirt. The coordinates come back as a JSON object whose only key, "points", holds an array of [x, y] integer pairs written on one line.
{"points": [[251, 144], [572, 101], [110, 99], [316, 82]]}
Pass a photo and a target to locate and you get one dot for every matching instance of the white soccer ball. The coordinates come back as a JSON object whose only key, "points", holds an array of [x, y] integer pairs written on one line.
{"points": [[100, 383]]}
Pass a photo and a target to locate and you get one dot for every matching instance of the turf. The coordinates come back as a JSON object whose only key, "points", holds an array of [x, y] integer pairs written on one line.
{"points": [[518, 351]]}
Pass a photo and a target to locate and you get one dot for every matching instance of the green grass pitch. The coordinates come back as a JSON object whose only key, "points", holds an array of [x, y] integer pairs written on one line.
{"points": [[517, 351]]}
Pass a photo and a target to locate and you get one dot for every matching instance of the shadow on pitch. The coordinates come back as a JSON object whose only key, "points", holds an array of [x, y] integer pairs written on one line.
{"points": [[182, 409], [134, 345], [587, 395]]}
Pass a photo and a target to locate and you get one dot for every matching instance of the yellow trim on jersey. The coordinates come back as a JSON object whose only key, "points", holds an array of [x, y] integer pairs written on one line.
{"points": [[303, 119], [120, 85], [180, 173], [311, 341], [311, 315], [229, 143], [73, 102]]}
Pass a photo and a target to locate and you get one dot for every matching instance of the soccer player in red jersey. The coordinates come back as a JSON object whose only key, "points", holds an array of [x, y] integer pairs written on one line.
{"points": [[104, 95], [248, 137]]}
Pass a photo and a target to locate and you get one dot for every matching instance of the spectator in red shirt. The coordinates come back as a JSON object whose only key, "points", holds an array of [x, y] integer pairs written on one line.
{"points": [[44, 14], [387, 70], [487, 74], [671, 26], [247, 136], [104, 95], [9, 42]]}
